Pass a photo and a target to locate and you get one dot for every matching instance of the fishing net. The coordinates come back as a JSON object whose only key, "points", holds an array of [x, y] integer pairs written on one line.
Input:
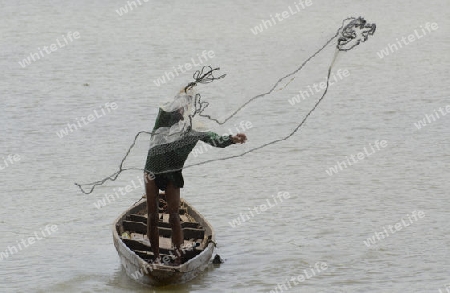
{"points": [[182, 121]]}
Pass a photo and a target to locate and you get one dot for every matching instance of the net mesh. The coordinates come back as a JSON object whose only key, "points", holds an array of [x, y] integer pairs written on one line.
{"points": [[181, 122]]}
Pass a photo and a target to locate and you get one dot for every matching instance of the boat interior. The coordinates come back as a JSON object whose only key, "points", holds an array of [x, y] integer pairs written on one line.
{"points": [[133, 233]]}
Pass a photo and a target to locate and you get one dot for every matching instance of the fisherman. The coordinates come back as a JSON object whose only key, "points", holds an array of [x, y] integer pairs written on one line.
{"points": [[173, 138]]}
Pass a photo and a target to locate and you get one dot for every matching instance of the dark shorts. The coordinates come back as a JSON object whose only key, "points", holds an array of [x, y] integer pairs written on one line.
{"points": [[163, 179]]}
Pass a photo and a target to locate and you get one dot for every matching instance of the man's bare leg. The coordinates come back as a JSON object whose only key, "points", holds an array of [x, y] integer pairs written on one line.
{"points": [[152, 192], [173, 207]]}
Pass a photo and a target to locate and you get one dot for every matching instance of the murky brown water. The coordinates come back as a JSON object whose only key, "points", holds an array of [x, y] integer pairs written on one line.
{"points": [[326, 219]]}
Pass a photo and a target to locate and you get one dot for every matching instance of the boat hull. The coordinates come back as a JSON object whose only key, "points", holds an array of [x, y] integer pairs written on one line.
{"points": [[148, 273]]}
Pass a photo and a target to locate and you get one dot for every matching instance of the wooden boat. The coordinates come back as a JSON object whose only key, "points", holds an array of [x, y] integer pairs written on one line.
{"points": [[133, 246]]}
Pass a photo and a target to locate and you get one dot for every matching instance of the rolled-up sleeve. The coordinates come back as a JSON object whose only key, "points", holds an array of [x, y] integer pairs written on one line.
{"points": [[216, 140]]}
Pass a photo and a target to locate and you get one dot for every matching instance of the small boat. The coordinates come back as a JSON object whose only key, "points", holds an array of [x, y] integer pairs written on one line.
{"points": [[133, 246]]}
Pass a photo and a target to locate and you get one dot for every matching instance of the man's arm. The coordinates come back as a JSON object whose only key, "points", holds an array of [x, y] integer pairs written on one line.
{"points": [[222, 141]]}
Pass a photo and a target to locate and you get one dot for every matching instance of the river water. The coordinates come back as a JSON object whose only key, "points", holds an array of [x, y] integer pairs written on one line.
{"points": [[390, 182]]}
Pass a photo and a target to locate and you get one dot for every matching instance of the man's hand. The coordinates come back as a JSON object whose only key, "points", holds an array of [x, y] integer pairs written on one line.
{"points": [[239, 138]]}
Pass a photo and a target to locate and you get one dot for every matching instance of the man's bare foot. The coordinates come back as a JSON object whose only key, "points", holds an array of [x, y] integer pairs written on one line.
{"points": [[157, 260], [177, 261], [176, 258]]}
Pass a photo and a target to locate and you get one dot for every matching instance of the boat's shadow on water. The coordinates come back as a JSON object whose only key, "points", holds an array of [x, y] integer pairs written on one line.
{"points": [[120, 281]]}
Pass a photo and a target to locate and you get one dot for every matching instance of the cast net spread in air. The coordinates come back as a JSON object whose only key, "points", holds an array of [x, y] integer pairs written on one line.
{"points": [[182, 122]]}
